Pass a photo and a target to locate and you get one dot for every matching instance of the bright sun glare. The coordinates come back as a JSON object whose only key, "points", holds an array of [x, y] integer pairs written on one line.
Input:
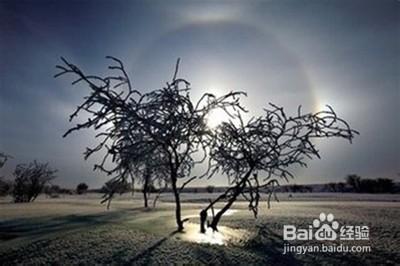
{"points": [[224, 235], [216, 117]]}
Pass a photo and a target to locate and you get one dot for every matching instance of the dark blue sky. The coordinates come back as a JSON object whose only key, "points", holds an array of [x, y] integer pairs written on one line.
{"points": [[342, 53]]}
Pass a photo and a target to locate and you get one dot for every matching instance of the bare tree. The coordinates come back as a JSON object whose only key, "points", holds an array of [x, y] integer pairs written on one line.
{"points": [[256, 155], [30, 180], [153, 173], [115, 186], [132, 125], [147, 182]]}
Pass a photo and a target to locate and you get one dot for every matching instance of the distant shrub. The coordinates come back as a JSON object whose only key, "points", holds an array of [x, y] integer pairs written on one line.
{"points": [[295, 188], [308, 189], [52, 190], [367, 186], [354, 182], [116, 187], [335, 187], [340, 187], [30, 180], [378, 185], [210, 189], [5, 187], [330, 187], [67, 191], [81, 188], [385, 185]]}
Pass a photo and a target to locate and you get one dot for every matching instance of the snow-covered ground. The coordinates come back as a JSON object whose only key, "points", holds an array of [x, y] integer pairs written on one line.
{"points": [[78, 230]]}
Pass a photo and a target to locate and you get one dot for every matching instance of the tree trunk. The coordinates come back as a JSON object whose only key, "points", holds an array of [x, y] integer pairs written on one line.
{"points": [[203, 213], [144, 190], [217, 217], [146, 205], [109, 202], [157, 197], [203, 219], [179, 221], [237, 190]]}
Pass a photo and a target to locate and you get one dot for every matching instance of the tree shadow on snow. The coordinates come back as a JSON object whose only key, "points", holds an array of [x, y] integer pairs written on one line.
{"points": [[37, 227], [270, 244], [144, 256]]}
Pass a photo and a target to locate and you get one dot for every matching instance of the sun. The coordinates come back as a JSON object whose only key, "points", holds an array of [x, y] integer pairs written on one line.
{"points": [[216, 117]]}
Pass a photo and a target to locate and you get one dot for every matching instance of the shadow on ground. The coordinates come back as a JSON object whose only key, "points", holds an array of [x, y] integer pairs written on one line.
{"points": [[43, 226], [270, 244], [107, 238]]}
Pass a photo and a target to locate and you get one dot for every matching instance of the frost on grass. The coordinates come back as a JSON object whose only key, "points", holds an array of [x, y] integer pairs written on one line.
{"points": [[120, 245], [127, 235]]}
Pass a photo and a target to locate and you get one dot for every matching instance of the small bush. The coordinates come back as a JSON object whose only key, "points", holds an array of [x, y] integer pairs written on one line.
{"points": [[51, 190], [82, 188], [210, 189], [354, 182]]}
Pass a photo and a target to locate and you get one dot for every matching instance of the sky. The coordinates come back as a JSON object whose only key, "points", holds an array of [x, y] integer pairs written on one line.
{"points": [[313, 53]]}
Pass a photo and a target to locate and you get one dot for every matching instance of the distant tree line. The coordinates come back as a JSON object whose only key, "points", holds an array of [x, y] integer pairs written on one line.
{"points": [[367, 185], [356, 184], [352, 183], [296, 188]]}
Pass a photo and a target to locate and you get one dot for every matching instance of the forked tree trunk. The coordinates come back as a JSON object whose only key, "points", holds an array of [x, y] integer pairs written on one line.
{"points": [[157, 197], [217, 217], [109, 201], [237, 189]]}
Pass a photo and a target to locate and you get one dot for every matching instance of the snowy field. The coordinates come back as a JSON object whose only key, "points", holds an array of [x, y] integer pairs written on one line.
{"points": [[79, 230]]}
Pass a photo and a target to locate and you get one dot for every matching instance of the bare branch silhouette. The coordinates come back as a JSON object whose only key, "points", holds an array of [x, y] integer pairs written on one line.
{"points": [[133, 125], [30, 180], [256, 155]]}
